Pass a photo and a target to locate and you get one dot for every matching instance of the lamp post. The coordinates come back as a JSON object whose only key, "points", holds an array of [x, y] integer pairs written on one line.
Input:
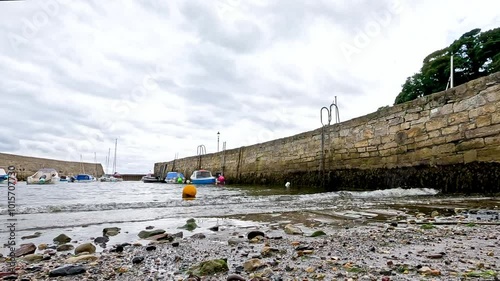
{"points": [[218, 135]]}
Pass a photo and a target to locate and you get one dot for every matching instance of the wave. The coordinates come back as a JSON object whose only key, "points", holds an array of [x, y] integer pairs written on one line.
{"points": [[242, 200]]}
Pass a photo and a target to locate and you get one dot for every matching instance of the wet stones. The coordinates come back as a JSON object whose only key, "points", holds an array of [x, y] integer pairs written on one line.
{"points": [[35, 235], [64, 247], [62, 239], [101, 240], [110, 231], [86, 247], [137, 260], [190, 225], [67, 270], [210, 267], [25, 249], [292, 230], [255, 233], [144, 234]]}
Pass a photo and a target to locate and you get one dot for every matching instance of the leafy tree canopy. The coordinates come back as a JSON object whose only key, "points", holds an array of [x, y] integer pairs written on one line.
{"points": [[475, 54]]}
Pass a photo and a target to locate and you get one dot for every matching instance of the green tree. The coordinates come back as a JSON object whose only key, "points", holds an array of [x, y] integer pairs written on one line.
{"points": [[475, 54]]}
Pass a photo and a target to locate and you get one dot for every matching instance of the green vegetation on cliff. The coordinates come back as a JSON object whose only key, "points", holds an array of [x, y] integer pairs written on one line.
{"points": [[475, 54]]}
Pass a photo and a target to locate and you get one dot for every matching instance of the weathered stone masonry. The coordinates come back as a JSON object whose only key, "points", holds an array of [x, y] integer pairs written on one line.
{"points": [[27, 166], [449, 140]]}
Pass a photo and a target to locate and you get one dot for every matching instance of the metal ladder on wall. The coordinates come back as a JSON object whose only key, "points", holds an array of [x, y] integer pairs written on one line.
{"points": [[329, 111], [200, 150]]}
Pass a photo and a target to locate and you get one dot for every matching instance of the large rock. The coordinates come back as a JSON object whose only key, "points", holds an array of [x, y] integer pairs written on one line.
{"points": [[252, 264], [25, 249], [190, 225], [33, 257], [110, 231], [62, 238], [146, 234], [82, 258], [65, 247], [161, 237], [86, 247], [292, 230], [67, 270], [210, 267]]}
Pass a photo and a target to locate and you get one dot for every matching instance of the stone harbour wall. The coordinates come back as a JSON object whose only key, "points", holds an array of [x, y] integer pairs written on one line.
{"points": [[27, 166], [448, 140]]}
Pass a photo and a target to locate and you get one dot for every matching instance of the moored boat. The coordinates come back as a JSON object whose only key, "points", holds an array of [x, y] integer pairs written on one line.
{"points": [[83, 178], [111, 178], [44, 176], [150, 178], [3, 175], [174, 177], [202, 177]]}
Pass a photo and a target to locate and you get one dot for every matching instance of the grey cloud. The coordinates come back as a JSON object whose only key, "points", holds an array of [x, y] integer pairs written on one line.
{"points": [[244, 37]]}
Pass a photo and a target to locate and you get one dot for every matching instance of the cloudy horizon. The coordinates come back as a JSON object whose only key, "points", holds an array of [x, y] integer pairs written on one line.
{"points": [[163, 78]]}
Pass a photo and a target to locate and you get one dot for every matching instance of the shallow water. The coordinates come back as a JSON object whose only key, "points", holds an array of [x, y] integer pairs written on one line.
{"points": [[83, 209]]}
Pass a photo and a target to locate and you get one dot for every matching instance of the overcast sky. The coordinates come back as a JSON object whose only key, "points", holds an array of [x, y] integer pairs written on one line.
{"points": [[165, 76]]}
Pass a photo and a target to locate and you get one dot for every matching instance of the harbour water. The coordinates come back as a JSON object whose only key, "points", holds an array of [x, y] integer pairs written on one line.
{"points": [[82, 210]]}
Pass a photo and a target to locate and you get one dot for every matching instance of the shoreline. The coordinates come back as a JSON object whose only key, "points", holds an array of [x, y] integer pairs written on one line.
{"points": [[398, 250]]}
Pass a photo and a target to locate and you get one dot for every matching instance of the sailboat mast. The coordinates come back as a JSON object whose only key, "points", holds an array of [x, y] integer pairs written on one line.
{"points": [[95, 163], [107, 161], [81, 163], [114, 160]]}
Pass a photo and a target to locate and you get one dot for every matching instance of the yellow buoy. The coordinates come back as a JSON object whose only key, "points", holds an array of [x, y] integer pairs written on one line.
{"points": [[189, 191]]}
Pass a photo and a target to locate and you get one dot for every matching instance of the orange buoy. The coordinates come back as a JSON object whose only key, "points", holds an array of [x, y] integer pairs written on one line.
{"points": [[189, 191]]}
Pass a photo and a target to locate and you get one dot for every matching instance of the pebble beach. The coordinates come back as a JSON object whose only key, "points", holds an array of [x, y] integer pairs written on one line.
{"points": [[416, 248]]}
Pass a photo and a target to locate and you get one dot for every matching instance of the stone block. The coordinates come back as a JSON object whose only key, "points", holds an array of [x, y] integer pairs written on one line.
{"points": [[405, 126], [388, 145], [470, 156], [424, 153], [411, 116], [422, 137], [394, 129], [438, 140], [446, 148], [435, 124], [362, 149], [458, 118], [362, 143], [483, 132], [492, 140], [414, 131], [469, 103], [368, 134], [434, 134], [449, 160], [364, 154], [422, 144], [421, 120], [483, 120], [470, 144], [440, 111], [495, 117], [449, 130], [454, 137], [491, 94], [386, 152], [491, 154], [375, 141], [483, 110]]}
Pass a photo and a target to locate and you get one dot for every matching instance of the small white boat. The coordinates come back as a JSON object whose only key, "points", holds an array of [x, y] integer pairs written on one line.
{"points": [[111, 178], [44, 176], [151, 178], [202, 177], [3, 175]]}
